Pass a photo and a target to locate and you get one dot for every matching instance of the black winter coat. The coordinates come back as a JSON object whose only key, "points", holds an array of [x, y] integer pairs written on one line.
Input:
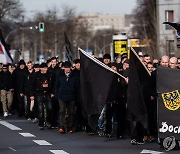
{"points": [[41, 84], [67, 87], [6, 82], [27, 83], [19, 78]]}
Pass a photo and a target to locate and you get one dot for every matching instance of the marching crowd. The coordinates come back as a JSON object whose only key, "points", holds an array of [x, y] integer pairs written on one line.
{"points": [[48, 93]]}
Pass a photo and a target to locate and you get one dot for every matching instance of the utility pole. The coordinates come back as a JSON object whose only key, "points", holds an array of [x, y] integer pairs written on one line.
{"points": [[41, 44], [55, 40], [55, 35], [22, 52], [104, 44], [41, 30]]}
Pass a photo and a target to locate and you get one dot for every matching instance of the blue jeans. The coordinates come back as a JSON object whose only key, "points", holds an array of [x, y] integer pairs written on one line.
{"points": [[102, 120]]}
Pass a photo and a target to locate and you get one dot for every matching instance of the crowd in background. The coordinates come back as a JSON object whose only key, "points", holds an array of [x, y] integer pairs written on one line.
{"points": [[48, 93]]}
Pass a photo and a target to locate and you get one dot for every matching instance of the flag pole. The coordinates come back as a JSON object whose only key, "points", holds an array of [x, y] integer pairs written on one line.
{"points": [[140, 60], [100, 63]]}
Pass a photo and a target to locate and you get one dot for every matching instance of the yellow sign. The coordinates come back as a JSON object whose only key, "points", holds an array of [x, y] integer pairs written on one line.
{"points": [[139, 43], [120, 46], [171, 100]]}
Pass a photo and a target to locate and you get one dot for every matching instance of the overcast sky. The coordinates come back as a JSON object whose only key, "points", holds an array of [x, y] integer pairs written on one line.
{"points": [[81, 6]]}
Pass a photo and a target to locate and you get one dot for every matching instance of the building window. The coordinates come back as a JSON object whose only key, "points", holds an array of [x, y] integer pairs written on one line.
{"points": [[169, 17], [170, 47]]}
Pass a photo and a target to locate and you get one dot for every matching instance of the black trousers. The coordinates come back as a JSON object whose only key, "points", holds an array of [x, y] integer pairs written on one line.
{"points": [[79, 119], [152, 118], [27, 103], [44, 101], [21, 105], [119, 112], [69, 107], [137, 131], [55, 111]]}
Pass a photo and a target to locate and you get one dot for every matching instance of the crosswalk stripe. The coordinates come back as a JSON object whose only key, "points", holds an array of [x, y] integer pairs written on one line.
{"points": [[10, 126], [58, 152], [42, 142], [27, 134], [12, 149]]}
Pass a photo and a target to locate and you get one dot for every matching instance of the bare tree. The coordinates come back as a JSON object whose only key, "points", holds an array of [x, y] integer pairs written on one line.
{"points": [[55, 26], [10, 10], [145, 24]]}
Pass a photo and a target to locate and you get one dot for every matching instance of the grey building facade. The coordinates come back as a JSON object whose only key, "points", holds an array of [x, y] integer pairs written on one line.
{"points": [[168, 10]]}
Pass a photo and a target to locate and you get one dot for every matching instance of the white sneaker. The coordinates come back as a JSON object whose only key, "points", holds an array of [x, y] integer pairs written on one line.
{"points": [[5, 114], [35, 120]]}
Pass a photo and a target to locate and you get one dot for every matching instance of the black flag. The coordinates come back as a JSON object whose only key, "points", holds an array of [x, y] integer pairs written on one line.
{"points": [[168, 88], [137, 89], [95, 82], [69, 51], [5, 56], [174, 25]]}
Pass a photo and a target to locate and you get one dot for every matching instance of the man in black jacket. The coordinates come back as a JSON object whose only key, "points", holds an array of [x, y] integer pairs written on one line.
{"points": [[43, 89], [26, 89], [66, 90], [79, 119], [19, 77], [53, 70], [6, 88]]}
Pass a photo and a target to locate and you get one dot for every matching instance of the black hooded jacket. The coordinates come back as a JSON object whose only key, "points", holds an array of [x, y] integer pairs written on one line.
{"points": [[6, 82]]}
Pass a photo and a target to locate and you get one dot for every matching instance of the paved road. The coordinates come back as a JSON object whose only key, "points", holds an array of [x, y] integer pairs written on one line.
{"points": [[19, 136]]}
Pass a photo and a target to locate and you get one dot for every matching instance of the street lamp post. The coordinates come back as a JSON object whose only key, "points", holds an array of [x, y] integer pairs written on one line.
{"points": [[55, 41], [14, 30], [22, 43], [41, 44], [104, 42], [23, 38], [55, 22]]}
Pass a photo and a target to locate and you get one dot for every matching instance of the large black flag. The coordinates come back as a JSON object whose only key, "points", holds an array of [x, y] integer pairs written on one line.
{"points": [[168, 88], [137, 89], [5, 56], [175, 26], [95, 82], [69, 51]]}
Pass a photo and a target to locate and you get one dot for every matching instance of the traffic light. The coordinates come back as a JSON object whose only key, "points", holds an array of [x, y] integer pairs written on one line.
{"points": [[41, 27]]}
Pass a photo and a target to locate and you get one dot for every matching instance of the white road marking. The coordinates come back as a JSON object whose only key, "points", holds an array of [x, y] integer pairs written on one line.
{"points": [[42, 142], [58, 152], [10, 126], [27, 134], [151, 151], [12, 149]]}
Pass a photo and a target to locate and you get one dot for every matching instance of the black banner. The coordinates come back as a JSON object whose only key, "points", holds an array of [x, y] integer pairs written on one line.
{"points": [[138, 89], [168, 87], [95, 82], [69, 51]]}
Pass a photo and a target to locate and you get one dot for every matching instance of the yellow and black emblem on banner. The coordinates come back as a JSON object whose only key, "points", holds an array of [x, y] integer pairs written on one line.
{"points": [[171, 100]]}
